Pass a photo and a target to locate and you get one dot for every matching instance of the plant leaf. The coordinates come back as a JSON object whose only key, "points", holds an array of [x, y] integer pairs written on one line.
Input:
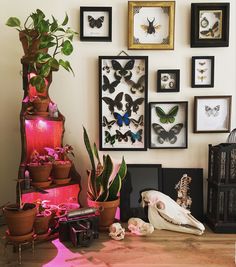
{"points": [[45, 70], [114, 188], [123, 169], [54, 64], [38, 82], [67, 48], [13, 22], [95, 151], [89, 149], [65, 21], [107, 171], [92, 193], [54, 25], [43, 58], [66, 65]]}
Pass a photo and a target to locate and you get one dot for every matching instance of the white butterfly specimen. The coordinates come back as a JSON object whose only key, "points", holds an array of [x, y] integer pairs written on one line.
{"points": [[212, 111]]}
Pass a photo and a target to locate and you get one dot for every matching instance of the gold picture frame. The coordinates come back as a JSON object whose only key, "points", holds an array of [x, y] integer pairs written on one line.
{"points": [[151, 25]]}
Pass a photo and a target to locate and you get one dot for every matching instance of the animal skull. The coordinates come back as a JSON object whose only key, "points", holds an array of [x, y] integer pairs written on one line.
{"points": [[116, 231], [165, 213], [139, 227]]}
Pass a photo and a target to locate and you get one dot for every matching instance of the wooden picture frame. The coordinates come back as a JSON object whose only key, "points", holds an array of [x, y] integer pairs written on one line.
{"points": [[146, 18], [212, 114], [210, 24], [139, 178], [203, 71], [168, 80], [168, 125], [96, 24], [188, 193], [123, 94]]}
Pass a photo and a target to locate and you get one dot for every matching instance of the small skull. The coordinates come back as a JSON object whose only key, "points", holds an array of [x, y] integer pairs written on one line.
{"points": [[116, 231], [139, 227]]}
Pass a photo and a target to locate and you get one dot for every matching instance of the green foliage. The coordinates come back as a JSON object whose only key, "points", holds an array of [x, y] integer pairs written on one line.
{"points": [[102, 186], [51, 35]]}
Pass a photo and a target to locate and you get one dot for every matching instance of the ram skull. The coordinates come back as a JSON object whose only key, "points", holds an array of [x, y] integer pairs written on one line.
{"points": [[165, 213]]}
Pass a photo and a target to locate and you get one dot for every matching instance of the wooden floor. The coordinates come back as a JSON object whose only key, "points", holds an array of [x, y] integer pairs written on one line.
{"points": [[162, 248]]}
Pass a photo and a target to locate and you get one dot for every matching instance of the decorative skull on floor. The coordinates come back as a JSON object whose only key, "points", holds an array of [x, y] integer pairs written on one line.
{"points": [[165, 213], [116, 231], [139, 227]]}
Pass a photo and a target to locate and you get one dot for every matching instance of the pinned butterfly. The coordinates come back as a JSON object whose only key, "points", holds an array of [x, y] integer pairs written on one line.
{"points": [[95, 23], [167, 117]]}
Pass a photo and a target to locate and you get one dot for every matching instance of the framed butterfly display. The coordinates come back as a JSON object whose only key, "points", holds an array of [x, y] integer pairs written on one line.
{"points": [[212, 114], [168, 127], [203, 71], [168, 81], [151, 25], [123, 87], [210, 24], [96, 24]]}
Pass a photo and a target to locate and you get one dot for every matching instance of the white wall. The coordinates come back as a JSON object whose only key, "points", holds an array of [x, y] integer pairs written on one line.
{"points": [[77, 97]]}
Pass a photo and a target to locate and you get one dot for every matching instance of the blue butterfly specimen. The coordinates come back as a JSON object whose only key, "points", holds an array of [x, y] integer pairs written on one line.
{"points": [[122, 119], [120, 136], [110, 138], [125, 71], [136, 136], [138, 122], [133, 104], [110, 86], [167, 136], [114, 103], [107, 123]]}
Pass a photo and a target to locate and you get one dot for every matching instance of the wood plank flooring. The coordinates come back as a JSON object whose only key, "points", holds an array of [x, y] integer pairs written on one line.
{"points": [[162, 248]]}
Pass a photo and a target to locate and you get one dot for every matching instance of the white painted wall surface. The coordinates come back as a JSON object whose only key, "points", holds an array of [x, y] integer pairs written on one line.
{"points": [[77, 97]]}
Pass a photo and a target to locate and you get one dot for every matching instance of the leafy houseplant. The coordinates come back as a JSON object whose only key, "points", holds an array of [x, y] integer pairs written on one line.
{"points": [[38, 35], [62, 163], [103, 188], [40, 167]]}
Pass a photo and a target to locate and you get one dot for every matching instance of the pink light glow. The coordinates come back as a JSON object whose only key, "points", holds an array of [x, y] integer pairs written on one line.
{"points": [[55, 196], [42, 125]]}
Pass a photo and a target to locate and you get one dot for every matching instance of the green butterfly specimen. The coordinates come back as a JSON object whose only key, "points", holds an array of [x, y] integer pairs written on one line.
{"points": [[169, 117]]}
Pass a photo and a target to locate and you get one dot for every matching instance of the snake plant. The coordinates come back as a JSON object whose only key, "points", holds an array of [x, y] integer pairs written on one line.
{"points": [[103, 184]]}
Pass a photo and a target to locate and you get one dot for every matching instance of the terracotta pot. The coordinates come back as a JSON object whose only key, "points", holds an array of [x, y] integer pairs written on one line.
{"points": [[107, 211], [30, 49], [61, 169], [20, 222], [41, 105], [40, 173], [41, 223]]}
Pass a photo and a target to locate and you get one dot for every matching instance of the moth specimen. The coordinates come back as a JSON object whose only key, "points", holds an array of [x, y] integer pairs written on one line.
{"points": [[211, 32]]}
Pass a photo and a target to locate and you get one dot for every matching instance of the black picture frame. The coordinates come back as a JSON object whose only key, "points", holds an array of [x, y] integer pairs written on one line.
{"points": [[203, 69], [170, 179], [123, 94], [96, 29], [168, 125], [139, 178], [168, 80], [212, 114], [210, 24]]}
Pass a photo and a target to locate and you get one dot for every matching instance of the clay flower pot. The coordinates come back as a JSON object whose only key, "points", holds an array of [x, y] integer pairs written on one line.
{"points": [[40, 173], [107, 211], [20, 222], [61, 169], [41, 223], [41, 106]]}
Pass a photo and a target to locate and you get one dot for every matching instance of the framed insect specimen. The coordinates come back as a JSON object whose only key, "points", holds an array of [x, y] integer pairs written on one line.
{"points": [[185, 186], [151, 24], [123, 89], [203, 71], [168, 80], [96, 24], [212, 114], [139, 178], [168, 125], [210, 24]]}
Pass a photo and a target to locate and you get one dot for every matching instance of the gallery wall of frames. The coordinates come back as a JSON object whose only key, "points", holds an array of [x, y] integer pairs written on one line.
{"points": [[126, 120]]}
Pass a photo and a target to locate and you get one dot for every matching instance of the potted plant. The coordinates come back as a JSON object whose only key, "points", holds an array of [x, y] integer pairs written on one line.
{"points": [[103, 184], [40, 167], [42, 219], [43, 41], [61, 164], [20, 217]]}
